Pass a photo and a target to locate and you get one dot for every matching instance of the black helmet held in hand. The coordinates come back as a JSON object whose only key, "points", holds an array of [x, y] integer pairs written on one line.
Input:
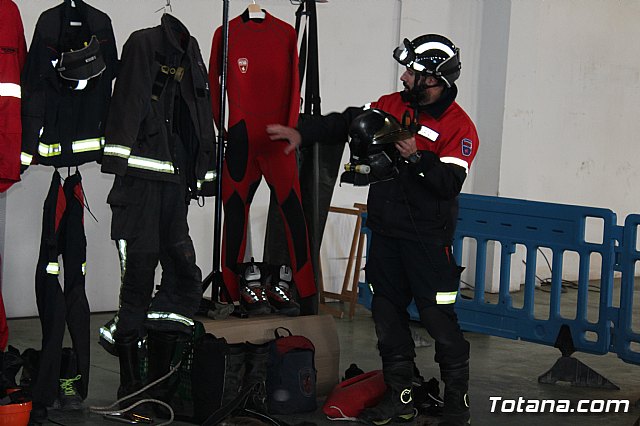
{"points": [[374, 131], [373, 135], [431, 54]]}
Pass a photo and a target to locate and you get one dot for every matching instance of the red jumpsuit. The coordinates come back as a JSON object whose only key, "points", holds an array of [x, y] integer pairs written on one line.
{"points": [[263, 88], [13, 52]]}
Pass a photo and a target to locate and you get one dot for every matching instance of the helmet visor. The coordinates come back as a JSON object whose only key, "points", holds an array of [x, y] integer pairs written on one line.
{"points": [[390, 133], [405, 54]]}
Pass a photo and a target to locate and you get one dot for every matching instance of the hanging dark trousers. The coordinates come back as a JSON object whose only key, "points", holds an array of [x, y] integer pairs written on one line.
{"points": [[62, 234], [456, 399], [397, 403]]}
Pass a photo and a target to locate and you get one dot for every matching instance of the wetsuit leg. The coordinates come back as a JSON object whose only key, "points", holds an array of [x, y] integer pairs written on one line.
{"points": [[240, 180], [281, 173]]}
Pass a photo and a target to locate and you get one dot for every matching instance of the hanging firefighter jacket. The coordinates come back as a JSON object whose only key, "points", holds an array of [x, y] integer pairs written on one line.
{"points": [[67, 81], [13, 51], [162, 86]]}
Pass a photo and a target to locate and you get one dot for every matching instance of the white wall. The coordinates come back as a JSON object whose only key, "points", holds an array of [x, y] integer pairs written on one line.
{"points": [[553, 88], [571, 107]]}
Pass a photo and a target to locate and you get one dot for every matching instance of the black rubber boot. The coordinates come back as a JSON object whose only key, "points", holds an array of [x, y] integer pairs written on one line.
{"points": [[126, 348], [10, 363], [161, 348], [255, 376], [456, 399], [397, 403], [234, 372], [31, 364], [69, 398]]}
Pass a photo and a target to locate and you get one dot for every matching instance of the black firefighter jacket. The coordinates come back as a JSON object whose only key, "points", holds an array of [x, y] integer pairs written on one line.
{"points": [[64, 125], [160, 125]]}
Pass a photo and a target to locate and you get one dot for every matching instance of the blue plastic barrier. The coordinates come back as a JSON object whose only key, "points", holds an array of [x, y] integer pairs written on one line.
{"points": [[623, 333], [560, 229]]}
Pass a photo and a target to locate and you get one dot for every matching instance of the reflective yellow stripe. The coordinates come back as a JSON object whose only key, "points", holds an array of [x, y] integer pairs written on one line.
{"points": [[122, 254], [106, 335], [84, 268], [85, 145], [11, 90], [446, 298], [49, 150], [26, 159], [150, 164], [108, 330], [53, 268], [117, 151], [210, 176], [138, 162], [169, 316]]}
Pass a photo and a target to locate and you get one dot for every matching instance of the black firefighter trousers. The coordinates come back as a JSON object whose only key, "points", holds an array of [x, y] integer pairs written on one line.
{"points": [[149, 225], [400, 270], [62, 234]]}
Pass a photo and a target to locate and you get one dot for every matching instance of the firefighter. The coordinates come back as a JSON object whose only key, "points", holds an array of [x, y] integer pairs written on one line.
{"points": [[412, 210]]}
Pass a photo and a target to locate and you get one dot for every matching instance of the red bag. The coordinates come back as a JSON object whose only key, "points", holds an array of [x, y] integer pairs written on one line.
{"points": [[347, 400]]}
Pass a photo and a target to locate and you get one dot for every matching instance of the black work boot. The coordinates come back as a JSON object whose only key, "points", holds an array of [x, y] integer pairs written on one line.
{"points": [[397, 402], [161, 349], [255, 376], [456, 399], [234, 372], [68, 395]]}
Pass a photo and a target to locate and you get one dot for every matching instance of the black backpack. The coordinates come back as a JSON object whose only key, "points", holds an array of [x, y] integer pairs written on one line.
{"points": [[291, 374]]}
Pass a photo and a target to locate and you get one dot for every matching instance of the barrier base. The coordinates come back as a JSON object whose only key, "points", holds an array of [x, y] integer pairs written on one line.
{"points": [[574, 371]]}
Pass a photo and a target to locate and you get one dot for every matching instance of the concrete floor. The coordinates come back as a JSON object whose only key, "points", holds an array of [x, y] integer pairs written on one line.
{"points": [[499, 368]]}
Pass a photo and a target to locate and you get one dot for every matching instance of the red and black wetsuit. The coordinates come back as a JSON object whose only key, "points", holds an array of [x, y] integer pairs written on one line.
{"points": [[263, 88]]}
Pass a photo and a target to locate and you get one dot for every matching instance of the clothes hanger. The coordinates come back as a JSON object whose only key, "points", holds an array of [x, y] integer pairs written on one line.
{"points": [[74, 22], [165, 7], [255, 12]]}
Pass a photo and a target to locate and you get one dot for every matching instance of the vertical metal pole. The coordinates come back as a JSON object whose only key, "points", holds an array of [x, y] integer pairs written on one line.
{"points": [[313, 80], [216, 276]]}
